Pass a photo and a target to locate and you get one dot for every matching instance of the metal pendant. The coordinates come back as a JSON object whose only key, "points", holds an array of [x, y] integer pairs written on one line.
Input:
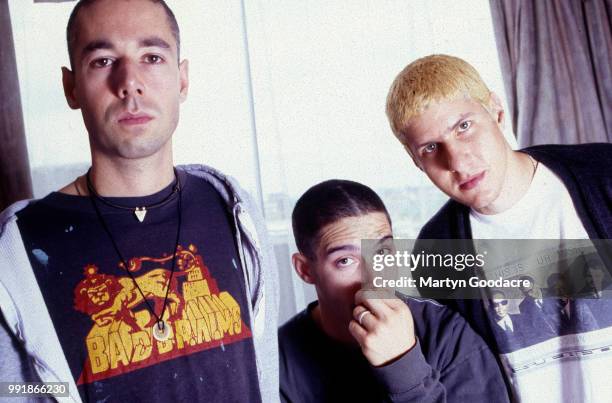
{"points": [[161, 331], [140, 213]]}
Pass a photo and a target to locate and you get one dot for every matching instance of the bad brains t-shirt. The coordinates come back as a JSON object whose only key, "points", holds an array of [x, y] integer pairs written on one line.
{"points": [[103, 317]]}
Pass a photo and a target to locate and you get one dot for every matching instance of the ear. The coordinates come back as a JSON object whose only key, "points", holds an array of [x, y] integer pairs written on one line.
{"points": [[497, 110], [184, 79], [303, 267], [69, 90]]}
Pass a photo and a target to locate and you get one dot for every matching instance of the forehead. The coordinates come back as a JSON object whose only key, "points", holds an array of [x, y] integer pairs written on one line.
{"points": [[120, 21], [351, 230], [439, 117]]}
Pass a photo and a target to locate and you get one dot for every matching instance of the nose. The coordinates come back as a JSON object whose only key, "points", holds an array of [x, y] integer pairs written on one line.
{"points": [[128, 81], [457, 157]]}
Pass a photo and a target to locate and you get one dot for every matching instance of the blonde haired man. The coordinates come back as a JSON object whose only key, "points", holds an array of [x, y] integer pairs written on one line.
{"points": [[450, 124]]}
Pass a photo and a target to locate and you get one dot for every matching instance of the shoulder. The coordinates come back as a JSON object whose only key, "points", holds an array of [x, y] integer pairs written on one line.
{"points": [[227, 186], [298, 348], [295, 328], [576, 157], [236, 199], [11, 211], [10, 215]]}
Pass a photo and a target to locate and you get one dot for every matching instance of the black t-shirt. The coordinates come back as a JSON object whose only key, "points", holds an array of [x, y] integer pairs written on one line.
{"points": [[101, 318]]}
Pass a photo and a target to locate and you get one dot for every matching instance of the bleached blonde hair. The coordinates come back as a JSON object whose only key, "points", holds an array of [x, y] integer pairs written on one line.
{"points": [[429, 80]]}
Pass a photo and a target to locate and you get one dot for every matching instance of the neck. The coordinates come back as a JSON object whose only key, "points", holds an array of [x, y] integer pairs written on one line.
{"points": [[329, 325], [520, 170], [131, 178]]}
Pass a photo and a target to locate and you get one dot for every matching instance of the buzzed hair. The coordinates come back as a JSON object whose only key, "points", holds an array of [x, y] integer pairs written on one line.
{"points": [[326, 203], [429, 80], [71, 28]]}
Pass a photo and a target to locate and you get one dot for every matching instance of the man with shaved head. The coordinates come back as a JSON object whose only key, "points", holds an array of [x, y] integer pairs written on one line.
{"points": [[139, 280]]}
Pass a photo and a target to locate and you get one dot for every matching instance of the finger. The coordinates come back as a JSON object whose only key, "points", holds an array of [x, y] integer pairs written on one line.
{"points": [[357, 331], [374, 294], [395, 303], [377, 306], [367, 320], [357, 311], [385, 297]]}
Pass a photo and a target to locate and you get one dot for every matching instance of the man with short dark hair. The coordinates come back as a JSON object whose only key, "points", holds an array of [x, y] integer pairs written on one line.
{"points": [[354, 347], [138, 281]]}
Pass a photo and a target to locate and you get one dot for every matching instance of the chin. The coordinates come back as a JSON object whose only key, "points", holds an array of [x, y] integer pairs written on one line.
{"points": [[482, 200], [141, 149]]}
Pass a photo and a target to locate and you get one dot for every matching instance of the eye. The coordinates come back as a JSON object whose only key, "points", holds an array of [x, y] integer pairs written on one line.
{"points": [[383, 251], [430, 148], [466, 124], [154, 59], [344, 262], [102, 62]]}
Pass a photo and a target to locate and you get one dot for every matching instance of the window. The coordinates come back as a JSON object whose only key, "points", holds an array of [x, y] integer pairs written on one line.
{"points": [[283, 95]]}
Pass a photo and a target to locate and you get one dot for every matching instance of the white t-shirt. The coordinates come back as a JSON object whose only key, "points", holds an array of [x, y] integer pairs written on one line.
{"points": [[546, 211], [569, 367]]}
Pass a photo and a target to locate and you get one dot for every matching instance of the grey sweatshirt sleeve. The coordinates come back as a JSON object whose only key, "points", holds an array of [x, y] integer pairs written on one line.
{"points": [[11, 365], [475, 377], [15, 365], [449, 363], [411, 379]]}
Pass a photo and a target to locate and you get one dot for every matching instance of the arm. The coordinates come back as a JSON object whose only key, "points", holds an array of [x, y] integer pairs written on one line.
{"points": [[449, 362], [411, 379], [14, 359], [475, 377], [468, 368], [384, 328], [15, 364]]}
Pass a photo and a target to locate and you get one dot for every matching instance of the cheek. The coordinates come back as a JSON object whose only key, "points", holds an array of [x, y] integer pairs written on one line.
{"points": [[93, 99], [490, 144], [162, 82], [346, 280], [438, 177], [343, 285]]}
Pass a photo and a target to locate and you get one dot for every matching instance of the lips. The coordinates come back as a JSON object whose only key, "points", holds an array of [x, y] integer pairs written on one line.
{"points": [[472, 181], [134, 119]]}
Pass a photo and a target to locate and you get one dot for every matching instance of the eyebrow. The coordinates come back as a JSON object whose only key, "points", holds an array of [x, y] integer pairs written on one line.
{"points": [[154, 42], [353, 248], [150, 42], [97, 44], [384, 239], [348, 247], [450, 128]]}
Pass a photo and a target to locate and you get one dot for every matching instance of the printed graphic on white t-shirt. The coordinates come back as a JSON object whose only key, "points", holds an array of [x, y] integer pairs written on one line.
{"points": [[553, 348]]}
